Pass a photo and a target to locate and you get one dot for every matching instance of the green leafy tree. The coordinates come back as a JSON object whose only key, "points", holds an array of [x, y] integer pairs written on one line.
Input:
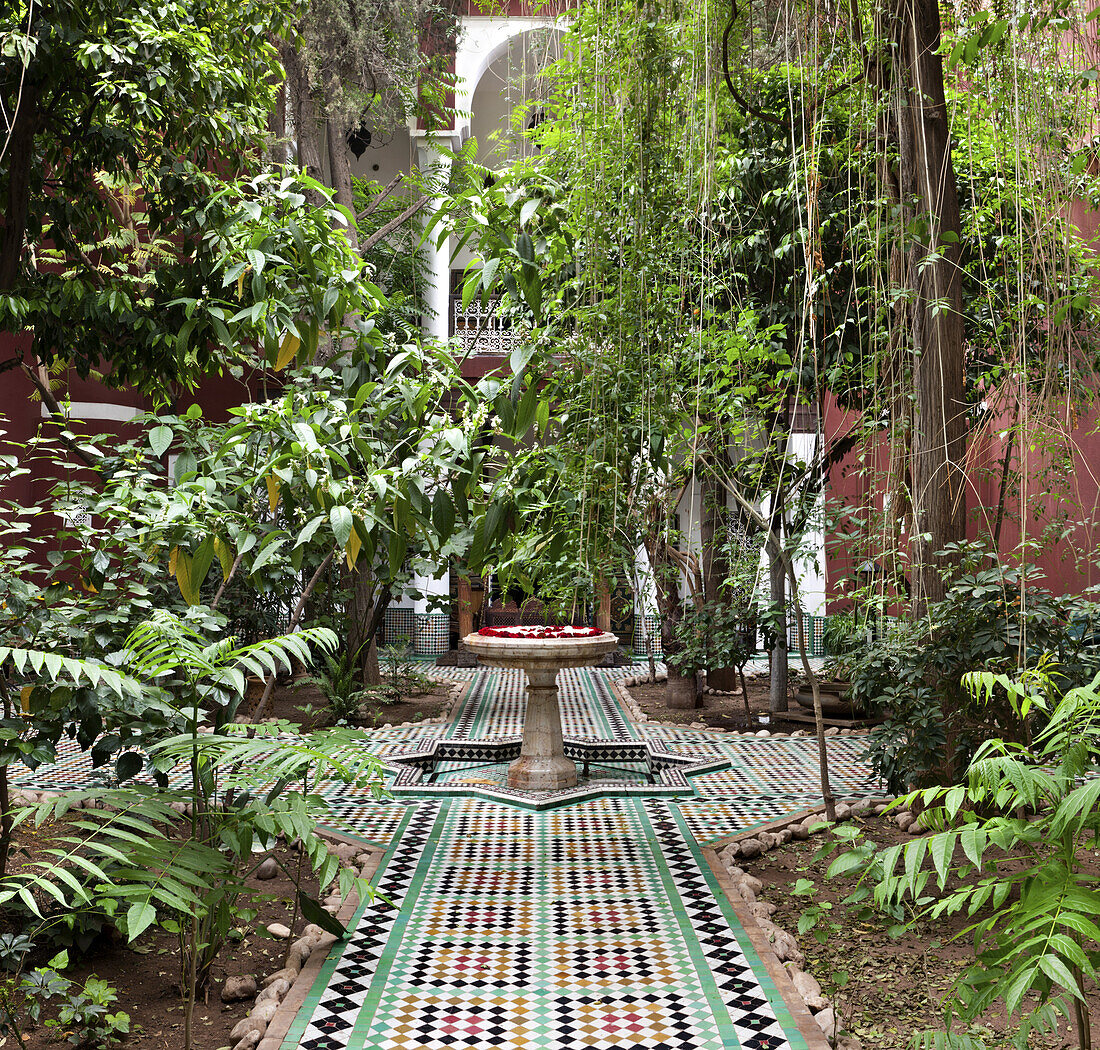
{"points": [[141, 239]]}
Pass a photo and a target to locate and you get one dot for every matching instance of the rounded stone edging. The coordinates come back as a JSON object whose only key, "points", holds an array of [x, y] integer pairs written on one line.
{"points": [[457, 688], [294, 996], [778, 948], [622, 688]]}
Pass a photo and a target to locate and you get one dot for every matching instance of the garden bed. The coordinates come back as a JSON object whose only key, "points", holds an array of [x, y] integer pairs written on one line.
{"points": [[146, 975], [882, 987], [305, 706], [718, 710]]}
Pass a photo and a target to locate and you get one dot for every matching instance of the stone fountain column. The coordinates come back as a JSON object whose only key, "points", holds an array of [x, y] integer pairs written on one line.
{"points": [[542, 765]]}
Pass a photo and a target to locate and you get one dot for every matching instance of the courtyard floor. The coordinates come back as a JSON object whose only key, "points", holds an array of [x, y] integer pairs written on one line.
{"points": [[595, 924]]}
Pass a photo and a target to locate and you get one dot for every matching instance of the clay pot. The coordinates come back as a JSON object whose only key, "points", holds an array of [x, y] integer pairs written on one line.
{"points": [[834, 700]]}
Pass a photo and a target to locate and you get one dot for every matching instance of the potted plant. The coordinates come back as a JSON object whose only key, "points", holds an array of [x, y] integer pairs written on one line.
{"points": [[843, 637]]}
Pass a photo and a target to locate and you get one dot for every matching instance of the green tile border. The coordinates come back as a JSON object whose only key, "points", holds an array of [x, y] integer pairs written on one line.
{"points": [[306, 1009], [776, 999]]}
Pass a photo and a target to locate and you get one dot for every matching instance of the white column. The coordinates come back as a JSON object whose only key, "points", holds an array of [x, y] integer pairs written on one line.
{"points": [[435, 167]]}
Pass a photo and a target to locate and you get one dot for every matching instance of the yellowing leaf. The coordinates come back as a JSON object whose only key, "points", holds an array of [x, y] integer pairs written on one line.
{"points": [[273, 492], [185, 578], [287, 352], [352, 549], [240, 283], [225, 555], [172, 561]]}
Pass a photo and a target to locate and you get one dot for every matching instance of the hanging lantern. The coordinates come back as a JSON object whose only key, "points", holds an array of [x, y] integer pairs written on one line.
{"points": [[358, 140]]}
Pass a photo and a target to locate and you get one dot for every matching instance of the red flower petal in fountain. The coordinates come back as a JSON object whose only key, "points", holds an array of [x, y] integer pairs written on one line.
{"points": [[540, 632]]}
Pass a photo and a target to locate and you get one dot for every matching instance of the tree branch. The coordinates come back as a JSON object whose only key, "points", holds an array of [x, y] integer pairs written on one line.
{"points": [[269, 685], [386, 191], [55, 410], [392, 225], [743, 102]]}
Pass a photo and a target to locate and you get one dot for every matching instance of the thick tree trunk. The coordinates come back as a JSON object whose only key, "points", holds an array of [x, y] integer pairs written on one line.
{"points": [[926, 175], [713, 539], [308, 130], [368, 607], [20, 157]]}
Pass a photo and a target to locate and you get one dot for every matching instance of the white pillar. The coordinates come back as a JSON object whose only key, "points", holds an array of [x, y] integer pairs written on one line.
{"points": [[435, 168]]}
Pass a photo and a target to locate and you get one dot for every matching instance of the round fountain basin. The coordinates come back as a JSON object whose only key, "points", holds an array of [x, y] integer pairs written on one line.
{"points": [[541, 653], [542, 764]]}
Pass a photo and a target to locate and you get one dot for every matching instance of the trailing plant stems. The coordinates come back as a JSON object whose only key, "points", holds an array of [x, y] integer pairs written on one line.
{"points": [[819, 720], [299, 610], [5, 800]]}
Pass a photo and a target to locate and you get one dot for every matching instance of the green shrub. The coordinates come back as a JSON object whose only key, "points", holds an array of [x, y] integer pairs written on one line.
{"points": [[994, 619], [1025, 823]]}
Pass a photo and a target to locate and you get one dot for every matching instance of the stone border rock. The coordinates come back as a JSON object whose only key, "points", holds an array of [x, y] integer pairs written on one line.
{"points": [[782, 946], [352, 854], [622, 688], [458, 688]]}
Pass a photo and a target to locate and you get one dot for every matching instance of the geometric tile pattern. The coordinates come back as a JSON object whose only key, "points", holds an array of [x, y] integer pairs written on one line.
{"points": [[433, 634], [399, 626], [592, 925], [478, 768], [496, 703], [588, 927]]}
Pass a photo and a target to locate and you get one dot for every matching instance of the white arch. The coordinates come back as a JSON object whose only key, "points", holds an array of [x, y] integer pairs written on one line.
{"points": [[483, 41]]}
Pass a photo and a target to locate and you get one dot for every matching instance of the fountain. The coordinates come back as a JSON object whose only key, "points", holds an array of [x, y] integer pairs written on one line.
{"points": [[541, 652]]}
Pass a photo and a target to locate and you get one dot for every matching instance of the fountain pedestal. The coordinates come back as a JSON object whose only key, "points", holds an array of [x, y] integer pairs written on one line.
{"points": [[542, 765]]}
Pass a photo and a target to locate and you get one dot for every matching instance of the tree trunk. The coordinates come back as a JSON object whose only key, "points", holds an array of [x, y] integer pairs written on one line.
{"points": [[681, 690], [927, 175], [713, 538], [367, 610], [20, 157], [308, 129], [780, 670], [465, 601], [341, 178], [603, 604]]}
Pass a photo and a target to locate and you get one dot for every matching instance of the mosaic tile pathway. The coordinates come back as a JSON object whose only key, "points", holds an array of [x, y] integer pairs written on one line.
{"points": [[592, 926]]}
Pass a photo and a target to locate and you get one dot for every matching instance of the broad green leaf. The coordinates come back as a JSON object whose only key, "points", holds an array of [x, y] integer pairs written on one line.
{"points": [[160, 438], [139, 917], [341, 520], [397, 551], [443, 514], [313, 912]]}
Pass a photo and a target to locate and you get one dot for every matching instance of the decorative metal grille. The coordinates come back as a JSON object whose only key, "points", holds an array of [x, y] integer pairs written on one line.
{"points": [[480, 329]]}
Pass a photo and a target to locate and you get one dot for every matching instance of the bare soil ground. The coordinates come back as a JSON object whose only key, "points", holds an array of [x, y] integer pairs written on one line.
{"points": [[304, 705], [146, 974], [717, 711], [884, 988]]}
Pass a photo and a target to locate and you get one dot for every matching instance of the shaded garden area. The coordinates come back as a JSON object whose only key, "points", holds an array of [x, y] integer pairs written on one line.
{"points": [[767, 333]]}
